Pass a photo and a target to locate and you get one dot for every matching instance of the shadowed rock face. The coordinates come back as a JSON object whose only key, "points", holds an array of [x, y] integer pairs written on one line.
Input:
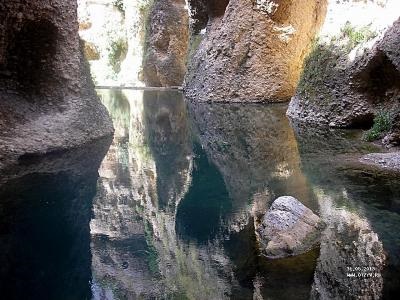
{"points": [[252, 50], [47, 100], [45, 210], [346, 86], [166, 44]]}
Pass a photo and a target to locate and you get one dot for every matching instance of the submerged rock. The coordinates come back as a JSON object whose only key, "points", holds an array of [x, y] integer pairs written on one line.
{"points": [[288, 228]]}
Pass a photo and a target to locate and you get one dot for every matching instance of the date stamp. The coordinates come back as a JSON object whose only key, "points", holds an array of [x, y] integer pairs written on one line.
{"points": [[362, 272]]}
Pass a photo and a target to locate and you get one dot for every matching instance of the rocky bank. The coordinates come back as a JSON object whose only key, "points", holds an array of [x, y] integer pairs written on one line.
{"points": [[47, 100], [351, 78]]}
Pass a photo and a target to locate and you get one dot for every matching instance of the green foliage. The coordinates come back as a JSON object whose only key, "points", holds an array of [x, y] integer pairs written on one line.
{"points": [[356, 36], [327, 57], [382, 124], [319, 66], [117, 51], [120, 5]]}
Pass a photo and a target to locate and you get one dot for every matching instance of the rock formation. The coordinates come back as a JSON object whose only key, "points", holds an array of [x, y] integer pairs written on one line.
{"points": [[117, 29], [166, 43], [354, 73], [352, 259], [47, 101], [288, 228], [252, 50], [142, 42]]}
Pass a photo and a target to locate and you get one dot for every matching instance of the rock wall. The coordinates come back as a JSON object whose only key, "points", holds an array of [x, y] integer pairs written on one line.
{"points": [[135, 43], [167, 43], [47, 101], [117, 31], [353, 71], [252, 50]]}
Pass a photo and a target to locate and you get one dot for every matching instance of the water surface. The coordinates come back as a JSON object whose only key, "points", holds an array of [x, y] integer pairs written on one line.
{"points": [[169, 212]]}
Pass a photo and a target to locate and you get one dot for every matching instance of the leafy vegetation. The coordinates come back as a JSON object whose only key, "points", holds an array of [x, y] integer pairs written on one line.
{"points": [[382, 124], [356, 36], [326, 56], [319, 66], [117, 51], [120, 5]]}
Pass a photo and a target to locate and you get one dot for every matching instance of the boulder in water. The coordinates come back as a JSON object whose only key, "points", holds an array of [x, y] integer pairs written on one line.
{"points": [[288, 228]]}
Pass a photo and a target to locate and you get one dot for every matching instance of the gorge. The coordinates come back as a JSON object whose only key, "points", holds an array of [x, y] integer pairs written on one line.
{"points": [[210, 149]]}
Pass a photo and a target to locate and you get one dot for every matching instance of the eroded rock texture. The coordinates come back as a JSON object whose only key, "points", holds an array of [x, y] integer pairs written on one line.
{"points": [[166, 44], [252, 50], [47, 101], [349, 79], [288, 228]]}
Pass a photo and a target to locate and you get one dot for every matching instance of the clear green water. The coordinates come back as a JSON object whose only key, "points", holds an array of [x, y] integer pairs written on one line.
{"points": [[167, 211]]}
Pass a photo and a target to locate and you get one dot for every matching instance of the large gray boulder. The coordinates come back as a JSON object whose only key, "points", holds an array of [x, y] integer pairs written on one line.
{"points": [[288, 228]]}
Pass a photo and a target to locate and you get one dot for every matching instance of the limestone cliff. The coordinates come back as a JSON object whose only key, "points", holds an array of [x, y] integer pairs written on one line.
{"points": [[252, 50], [47, 101], [116, 31], [353, 73], [166, 44], [135, 42]]}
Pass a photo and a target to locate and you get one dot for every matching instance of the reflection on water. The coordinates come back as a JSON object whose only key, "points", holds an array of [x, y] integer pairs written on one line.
{"points": [[171, 211], [45, 210], [183, 184]]}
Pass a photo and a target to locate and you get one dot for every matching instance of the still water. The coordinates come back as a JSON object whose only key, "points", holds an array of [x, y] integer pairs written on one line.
{"points": [[167, 210]]}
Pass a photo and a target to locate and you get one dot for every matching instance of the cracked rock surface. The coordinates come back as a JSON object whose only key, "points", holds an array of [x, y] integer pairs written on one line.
{"points": [[256, 59], [288, 228]]}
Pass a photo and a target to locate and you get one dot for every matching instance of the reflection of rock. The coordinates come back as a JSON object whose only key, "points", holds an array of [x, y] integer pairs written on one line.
{"points": [[136, 250], [47, 101], [351, 259], [167, 43], [288, 228], [254, 149], [252, 50], [45, 211], [330, 161]]}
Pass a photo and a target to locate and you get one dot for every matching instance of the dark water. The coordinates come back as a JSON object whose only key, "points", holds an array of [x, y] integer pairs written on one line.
{"points": [[169, 212]]}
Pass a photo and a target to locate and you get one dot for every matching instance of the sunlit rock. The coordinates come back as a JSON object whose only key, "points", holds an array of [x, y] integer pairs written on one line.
{"points": [[252, 51], [166, 43], [139, 42], [117, 29]]}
